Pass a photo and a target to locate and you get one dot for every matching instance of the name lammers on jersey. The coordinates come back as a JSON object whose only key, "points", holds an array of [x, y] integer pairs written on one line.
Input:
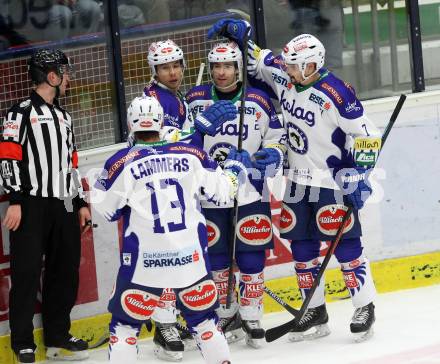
{"points": [[150, 166], [169, 259]]}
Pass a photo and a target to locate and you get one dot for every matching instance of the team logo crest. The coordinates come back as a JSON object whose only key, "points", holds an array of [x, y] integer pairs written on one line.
{"points": [[199, 297], [287, 219], [219, 152], [255, 230], [297, 139], [329, 218], [213, 233], [138, 304]]}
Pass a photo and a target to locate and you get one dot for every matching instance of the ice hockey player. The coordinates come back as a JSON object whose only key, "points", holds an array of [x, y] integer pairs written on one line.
{"points": [[263, 137], [155, 187], [332, 147], [167, 64]]}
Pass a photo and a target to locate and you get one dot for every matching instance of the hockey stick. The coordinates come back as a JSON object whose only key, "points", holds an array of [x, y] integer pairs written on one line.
{"points": [[200, 75], [233, 238], [281, 302], [278, 331]]}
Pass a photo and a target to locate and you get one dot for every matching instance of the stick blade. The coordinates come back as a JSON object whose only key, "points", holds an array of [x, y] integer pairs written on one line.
{"points": [[276, 332]]}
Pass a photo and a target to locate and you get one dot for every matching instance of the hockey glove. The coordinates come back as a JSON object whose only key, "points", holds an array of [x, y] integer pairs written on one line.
{"points": [[210, 121], [355, 186], [268, 161], [239, 164], [232, 29]]}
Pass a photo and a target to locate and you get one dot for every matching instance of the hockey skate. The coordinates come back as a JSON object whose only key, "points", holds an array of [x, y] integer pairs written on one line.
{"points": [[186, 337], [362, 323], [254, 333], [231, 327], [167, 343], [73, 349], [26, 356], [312, 326]]}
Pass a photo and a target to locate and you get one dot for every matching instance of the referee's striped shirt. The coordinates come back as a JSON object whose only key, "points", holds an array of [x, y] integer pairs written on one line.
{"points": [[37, 151]]}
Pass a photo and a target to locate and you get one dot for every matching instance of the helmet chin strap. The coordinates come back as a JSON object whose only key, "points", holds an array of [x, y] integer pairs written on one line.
{"points": [[237, 80], [305, 78], [225, 87]]}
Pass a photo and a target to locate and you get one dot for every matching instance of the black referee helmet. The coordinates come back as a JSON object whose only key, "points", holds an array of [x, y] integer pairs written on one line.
{"points": [[46, 60]]}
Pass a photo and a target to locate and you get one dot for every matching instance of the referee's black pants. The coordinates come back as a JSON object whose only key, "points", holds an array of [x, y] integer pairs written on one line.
{"points": [[48, 229]]}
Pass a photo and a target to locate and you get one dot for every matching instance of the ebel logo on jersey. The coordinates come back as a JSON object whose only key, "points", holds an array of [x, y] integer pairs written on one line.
{"points": [[297, 112], [169, 259]]}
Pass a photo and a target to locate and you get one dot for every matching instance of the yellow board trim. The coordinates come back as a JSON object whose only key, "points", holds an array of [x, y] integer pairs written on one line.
{"points": [[389, 275]]}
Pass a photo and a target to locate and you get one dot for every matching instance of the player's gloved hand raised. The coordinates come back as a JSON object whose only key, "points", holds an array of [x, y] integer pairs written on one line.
{"points": [[355, 186], [233, 29], [238, 163], [267, 161], [210, 121]]}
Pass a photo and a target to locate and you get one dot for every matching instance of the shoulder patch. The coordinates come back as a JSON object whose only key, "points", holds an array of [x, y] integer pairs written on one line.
{"points": [[332, 92], [188, 149], [260, 99], [115, 166]]}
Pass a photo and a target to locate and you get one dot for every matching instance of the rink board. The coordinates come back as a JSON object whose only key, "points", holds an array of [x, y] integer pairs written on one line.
{"points": [[389, 275]]}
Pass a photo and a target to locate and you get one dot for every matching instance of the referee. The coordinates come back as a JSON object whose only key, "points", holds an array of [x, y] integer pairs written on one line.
{"points": [[46, 213]]}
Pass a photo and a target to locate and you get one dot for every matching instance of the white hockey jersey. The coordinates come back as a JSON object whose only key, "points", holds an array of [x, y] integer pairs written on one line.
{"points": [[261, 129], [155, 188], [321, 120]]}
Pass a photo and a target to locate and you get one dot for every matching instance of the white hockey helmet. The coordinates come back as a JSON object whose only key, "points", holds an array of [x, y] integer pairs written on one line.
{"points": [[304, 49], [227, 52], [164, 52], [144, 114]]}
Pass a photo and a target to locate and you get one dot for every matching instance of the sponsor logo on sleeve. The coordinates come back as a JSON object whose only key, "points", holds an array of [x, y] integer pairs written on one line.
{"points": [[255, 230], [199, 297], [329, 218], [138, 304], [352, 106], [121, 162], [333, 92]]}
